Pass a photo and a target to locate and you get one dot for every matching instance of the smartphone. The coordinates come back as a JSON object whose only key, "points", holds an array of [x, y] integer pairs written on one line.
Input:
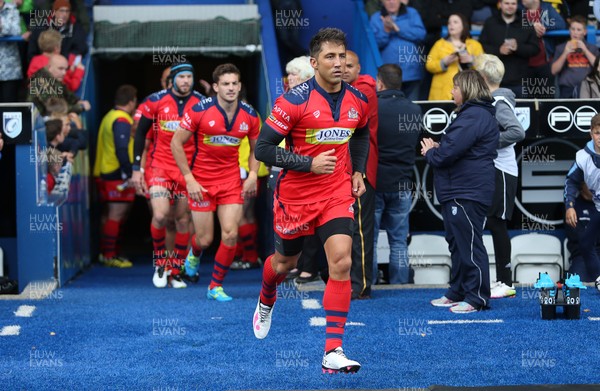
{"points": [[384, 11], [77, 60]]}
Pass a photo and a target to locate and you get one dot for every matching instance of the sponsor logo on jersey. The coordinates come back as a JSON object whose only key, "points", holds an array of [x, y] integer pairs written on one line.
{"points": [[278, 110], [243, 127], [211, 123], [277, 122], [328, 135], [169, 126], [317, 113], [221, 140], [353, 114], [167, 109]]}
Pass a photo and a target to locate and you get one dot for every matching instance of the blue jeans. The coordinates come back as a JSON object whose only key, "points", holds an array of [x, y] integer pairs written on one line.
{"points": [[391, 213]]}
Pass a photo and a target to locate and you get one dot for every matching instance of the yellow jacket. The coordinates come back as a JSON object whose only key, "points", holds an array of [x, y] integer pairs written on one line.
{"points": [[244, 154], [106, 158], [441, 84]]}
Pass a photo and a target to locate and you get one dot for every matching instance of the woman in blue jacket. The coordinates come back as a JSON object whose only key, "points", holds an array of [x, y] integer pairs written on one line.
{"points": [[463, 163]]}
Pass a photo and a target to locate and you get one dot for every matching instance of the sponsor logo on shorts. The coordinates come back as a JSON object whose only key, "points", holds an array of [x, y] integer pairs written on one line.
{"points": [[328, 135], [201, 204]]}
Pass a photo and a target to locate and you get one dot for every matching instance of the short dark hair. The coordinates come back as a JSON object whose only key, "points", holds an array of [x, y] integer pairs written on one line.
{"points": [[125, 94], [56, 106], [329, 34], [223, 69], [578, 19], [391, 76], [53, 129]]}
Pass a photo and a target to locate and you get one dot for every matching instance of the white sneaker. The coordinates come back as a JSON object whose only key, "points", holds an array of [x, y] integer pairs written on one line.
{"points": [[160, 277], [494, 284], [261, 322], [443, 302], [336, 361], [502, 290], [177, 282], [598, 283]]}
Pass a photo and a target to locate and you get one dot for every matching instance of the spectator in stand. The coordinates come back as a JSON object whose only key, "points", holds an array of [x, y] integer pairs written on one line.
{"points": [[62, 20], [398, 32], [364, 206], [55, 161], [49, 43], [75, 137], [450, 55], [507, 171], [590, 87], [574, 59], [397, 137], [55, 137], [541, 17], [503, 35], [435, 14], [47, 82], [10, 62], [482, 10], [463, 163]]}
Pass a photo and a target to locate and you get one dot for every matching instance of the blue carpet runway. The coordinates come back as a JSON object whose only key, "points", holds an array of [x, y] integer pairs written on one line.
{"points": [[110, 329]]}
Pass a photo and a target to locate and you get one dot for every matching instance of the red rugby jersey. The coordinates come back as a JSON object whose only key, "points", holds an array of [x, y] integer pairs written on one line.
{"points": [[311, 126], [217, 141], [165, 110]]}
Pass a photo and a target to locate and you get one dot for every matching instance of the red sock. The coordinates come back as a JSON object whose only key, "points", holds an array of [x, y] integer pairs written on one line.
{"points": [[158, 244], [239, 249], [268, 293], [223, 260], [196, 249], [110, 233], [247, 233], [336, 302], [180, 252]]}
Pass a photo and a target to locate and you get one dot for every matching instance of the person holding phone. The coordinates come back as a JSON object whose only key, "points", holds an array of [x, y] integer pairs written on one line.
{"points": [[450, 55]]}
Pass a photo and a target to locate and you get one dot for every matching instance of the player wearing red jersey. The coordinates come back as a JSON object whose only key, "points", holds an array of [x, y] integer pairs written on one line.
{"points": [[322, 121], [213, 182], [162, 111]]}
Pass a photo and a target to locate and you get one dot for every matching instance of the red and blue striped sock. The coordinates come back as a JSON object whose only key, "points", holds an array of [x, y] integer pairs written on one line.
{"points": [[223, 260], [268, 293], [336, 302]]}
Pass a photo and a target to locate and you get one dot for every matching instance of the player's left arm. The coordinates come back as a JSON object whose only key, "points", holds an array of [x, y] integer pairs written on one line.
{"points": [[359, 151]]}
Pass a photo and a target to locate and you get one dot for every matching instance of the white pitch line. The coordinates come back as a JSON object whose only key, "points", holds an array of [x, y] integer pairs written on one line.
{"points": [[320, 321], [593, 318], [311, 304], [10, 330], [25, 311], [465, 321]]}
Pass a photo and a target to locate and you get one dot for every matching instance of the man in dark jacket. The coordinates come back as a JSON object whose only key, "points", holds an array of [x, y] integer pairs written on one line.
{"points": [[397, 137], [364, 207], [505, 36]]}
